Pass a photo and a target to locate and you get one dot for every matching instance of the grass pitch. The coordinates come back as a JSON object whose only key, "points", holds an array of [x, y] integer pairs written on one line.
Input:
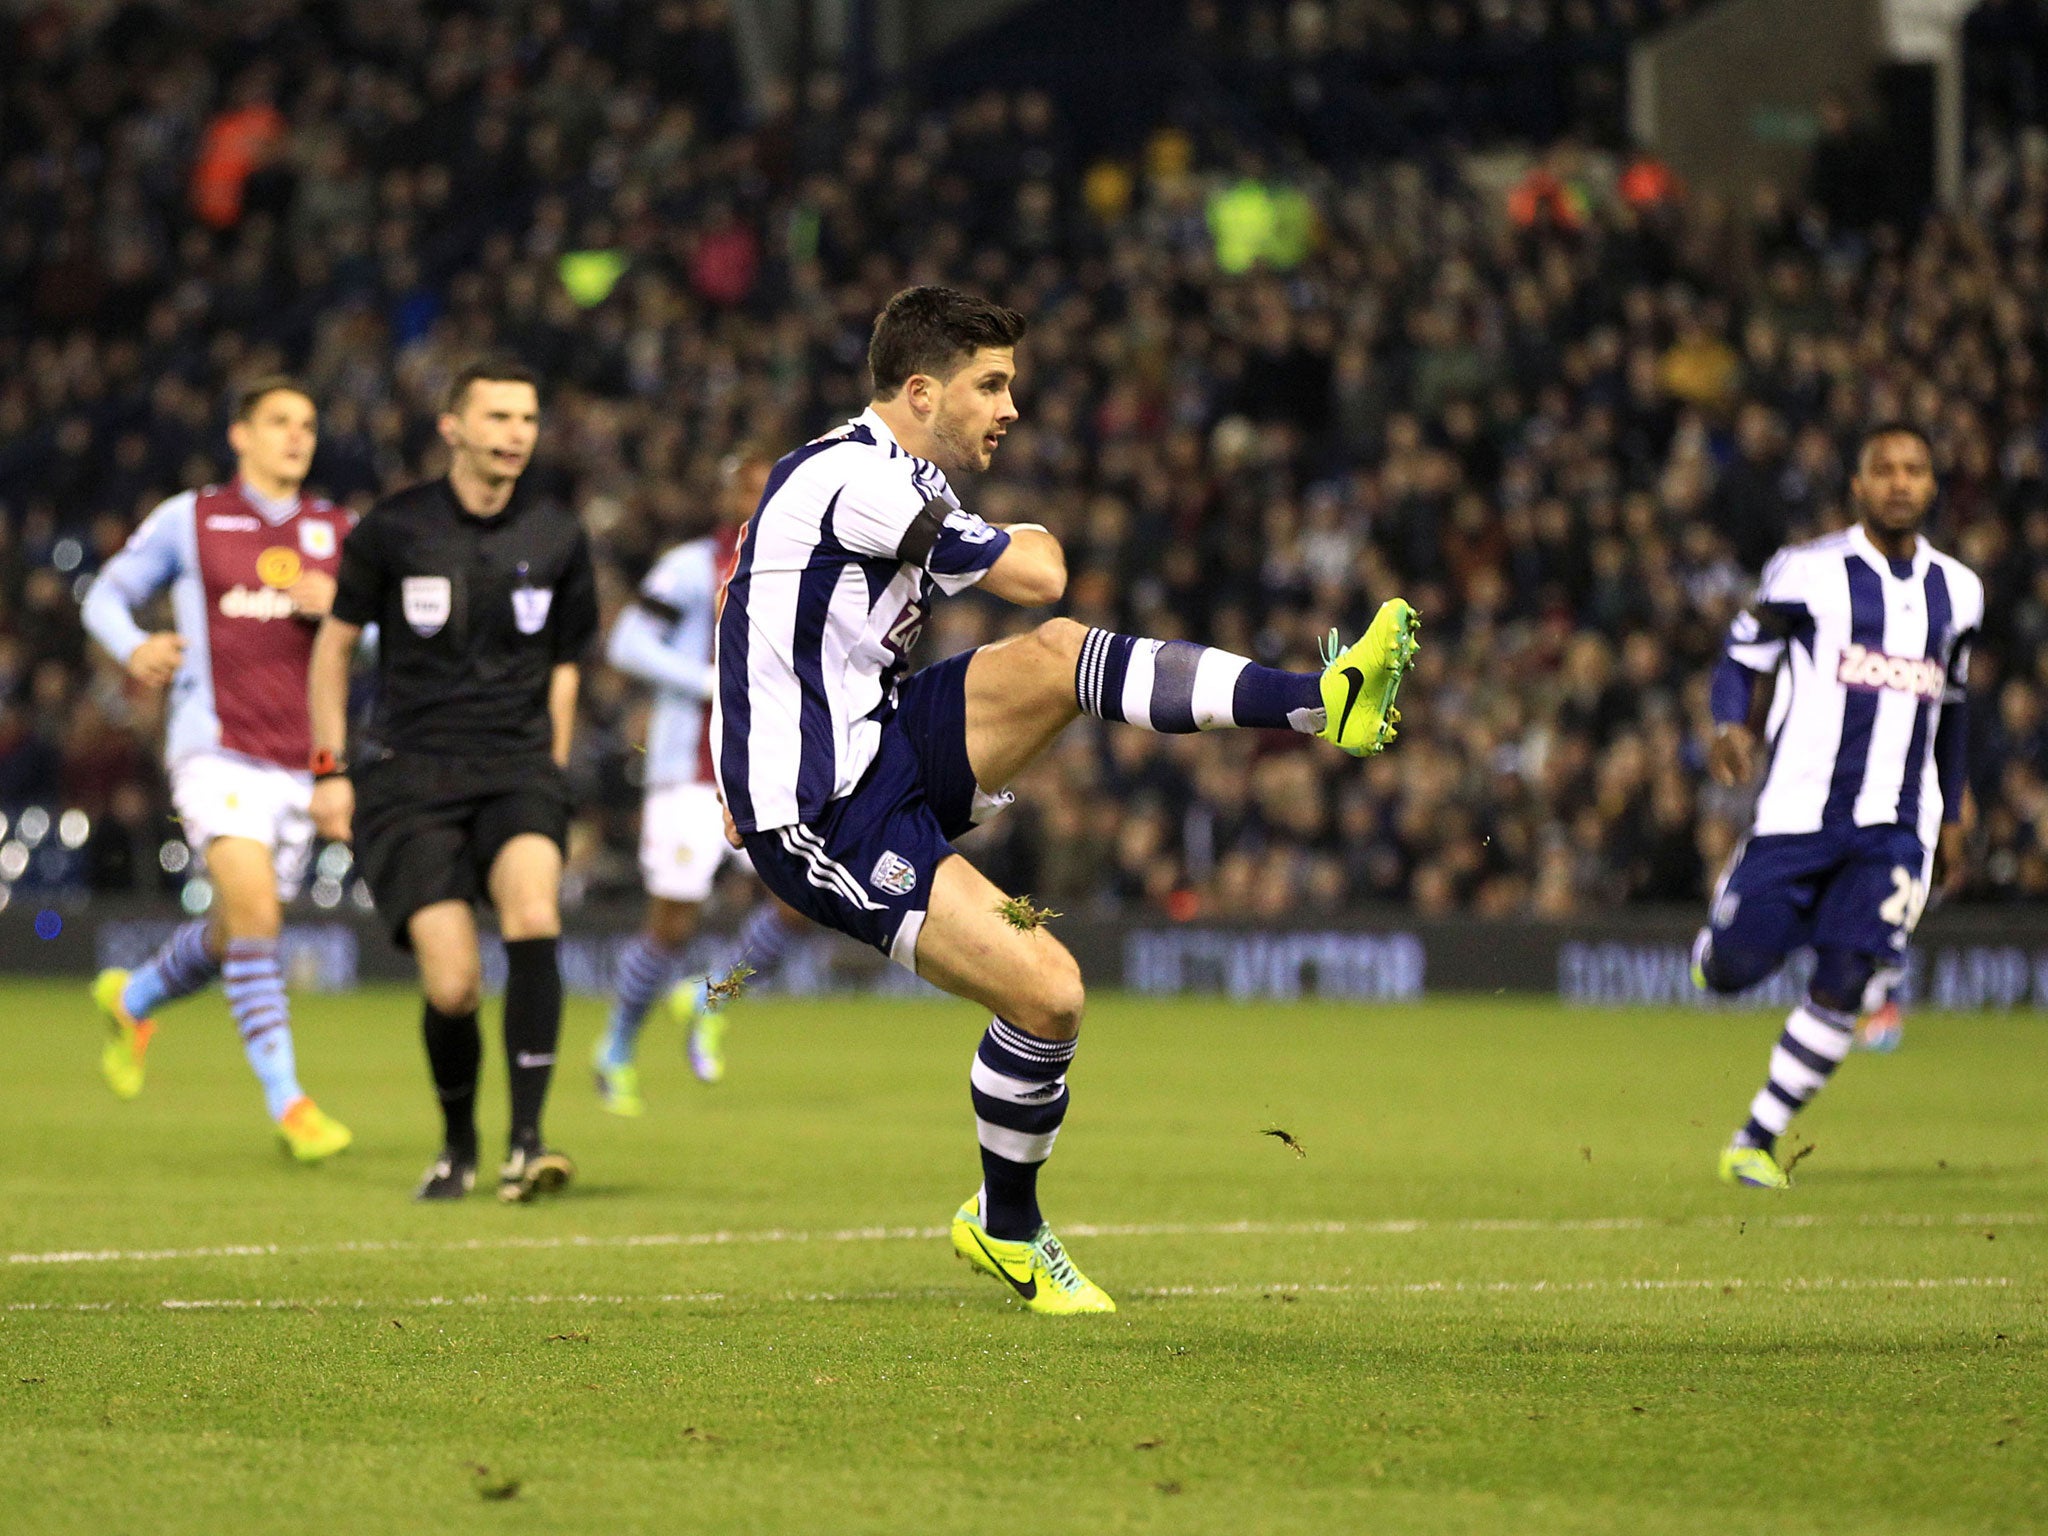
{"points": [[1501, 1292]]}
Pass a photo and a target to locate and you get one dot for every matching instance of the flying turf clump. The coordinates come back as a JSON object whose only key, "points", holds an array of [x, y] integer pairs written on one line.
{"points": [[734, 983], [1021, 915], [1286, 1140]]}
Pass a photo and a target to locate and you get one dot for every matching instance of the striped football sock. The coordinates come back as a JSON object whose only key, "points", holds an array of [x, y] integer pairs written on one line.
{"points": [[1177, 687], [765, 938], [646, 970], [255, 989], [1813, 1045], [1019, 1084], [179, 969]]}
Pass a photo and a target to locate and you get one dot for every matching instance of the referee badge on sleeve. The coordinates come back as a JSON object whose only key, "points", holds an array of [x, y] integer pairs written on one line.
{"points": [[427, 601]]}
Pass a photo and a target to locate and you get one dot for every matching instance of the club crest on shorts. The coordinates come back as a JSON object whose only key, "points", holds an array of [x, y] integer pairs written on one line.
{"points": [[530, 608], [427, 601], [316, 539], [894, 874]]}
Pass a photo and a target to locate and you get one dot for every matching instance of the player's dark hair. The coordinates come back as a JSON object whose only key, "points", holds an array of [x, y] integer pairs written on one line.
{"points": [[932, 330], [256, 391], [496, 369], [1871, 434]]}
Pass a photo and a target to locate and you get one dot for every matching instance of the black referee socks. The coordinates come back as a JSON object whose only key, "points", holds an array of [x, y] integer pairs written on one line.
{"points": [[455, 1048], [533, 1023]]}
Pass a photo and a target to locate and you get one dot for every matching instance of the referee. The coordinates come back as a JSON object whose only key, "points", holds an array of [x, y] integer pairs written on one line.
{"points": [[484, 598]]}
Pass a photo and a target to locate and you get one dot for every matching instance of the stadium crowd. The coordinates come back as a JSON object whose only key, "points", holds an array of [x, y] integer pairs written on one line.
{"points": [[1568, 415]]}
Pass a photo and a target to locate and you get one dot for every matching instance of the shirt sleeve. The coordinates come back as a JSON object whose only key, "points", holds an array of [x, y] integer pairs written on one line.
{"points": [[1757, 637], [895, 510], [361, 585], [639, 648], [150, 561], [575, 606]]}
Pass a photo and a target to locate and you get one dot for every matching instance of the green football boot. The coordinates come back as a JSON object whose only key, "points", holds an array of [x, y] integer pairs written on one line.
{"points": [[122, 1056], [1752, 1166], [1359, 682], [703, 1020], [618, 1087], [1038, 1270]]}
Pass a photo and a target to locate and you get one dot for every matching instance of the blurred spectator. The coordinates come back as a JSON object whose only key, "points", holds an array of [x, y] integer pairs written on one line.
{"points": [[1285, 360]]}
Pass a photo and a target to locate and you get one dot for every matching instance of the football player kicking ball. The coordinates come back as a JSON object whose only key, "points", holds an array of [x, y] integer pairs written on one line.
{"points": [[847, 779], [663, 638], [250, 567], [1867, 633]]}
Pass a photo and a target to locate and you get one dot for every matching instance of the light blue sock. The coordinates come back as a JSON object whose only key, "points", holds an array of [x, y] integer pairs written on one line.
{"points": [[177, 970], [645, 971], [255, 989], [765, 938]]}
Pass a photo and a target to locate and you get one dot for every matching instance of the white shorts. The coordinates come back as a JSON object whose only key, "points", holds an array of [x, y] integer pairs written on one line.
{"points": [[682, 841], [223, 794]]}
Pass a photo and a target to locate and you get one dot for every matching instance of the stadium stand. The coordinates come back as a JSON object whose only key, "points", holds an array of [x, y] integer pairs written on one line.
{"points": [[1284, 364]]}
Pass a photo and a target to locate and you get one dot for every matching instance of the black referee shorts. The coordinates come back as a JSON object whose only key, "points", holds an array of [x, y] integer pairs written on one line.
{"points": [[428, 828]]}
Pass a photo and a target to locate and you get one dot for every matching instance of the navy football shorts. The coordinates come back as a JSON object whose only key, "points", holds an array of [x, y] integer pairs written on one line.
{"points": [[865, 867], [1859, 889]]}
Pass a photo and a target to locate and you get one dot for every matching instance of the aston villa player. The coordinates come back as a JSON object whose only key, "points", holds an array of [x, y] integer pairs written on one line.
{"points": [[250, 567]]}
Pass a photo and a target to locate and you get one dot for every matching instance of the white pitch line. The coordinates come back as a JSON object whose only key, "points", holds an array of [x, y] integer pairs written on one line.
{"points": [[1156, 1293], [720, 1239]]}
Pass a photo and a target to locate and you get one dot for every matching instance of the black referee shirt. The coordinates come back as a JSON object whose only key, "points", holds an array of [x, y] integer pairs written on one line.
{"points": [[474, 613]]}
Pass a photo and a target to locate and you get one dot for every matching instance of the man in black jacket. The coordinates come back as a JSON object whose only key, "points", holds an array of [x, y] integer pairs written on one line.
{"points": [[484, 600]]}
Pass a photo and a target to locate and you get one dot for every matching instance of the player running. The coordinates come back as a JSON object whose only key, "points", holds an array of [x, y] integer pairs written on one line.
{"points": [[663, 638], [250, 568], [484, 599], [847, 780], [1858, 648]]}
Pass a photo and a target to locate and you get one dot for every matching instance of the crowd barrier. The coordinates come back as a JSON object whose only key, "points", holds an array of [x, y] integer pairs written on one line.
{"points": [[1962, 958]]}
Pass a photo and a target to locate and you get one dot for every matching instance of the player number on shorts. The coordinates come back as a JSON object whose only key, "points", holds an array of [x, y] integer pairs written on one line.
{"points": [[1901, 909]]}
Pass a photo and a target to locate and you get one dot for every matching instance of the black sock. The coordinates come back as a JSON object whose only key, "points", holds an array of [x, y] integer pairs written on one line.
{"points": [[455, 1047], [533, 1023]]}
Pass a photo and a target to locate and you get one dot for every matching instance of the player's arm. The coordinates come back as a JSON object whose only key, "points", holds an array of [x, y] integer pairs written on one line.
{"points": [[1032, 571], [149, 562], [639, 648], [1740, 696], [887, 511], [1740, 700]]}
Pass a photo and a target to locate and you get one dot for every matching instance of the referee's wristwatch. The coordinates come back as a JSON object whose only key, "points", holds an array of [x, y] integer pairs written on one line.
{"points": [[326, 765]]}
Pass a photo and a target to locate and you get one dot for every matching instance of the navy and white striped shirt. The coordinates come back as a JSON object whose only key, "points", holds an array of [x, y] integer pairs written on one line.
{"points": [[837, 569], [1866, 658]]}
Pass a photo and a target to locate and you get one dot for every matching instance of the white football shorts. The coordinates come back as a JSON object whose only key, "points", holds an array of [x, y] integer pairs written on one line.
{"points": [[682, 841], [223, 794]]}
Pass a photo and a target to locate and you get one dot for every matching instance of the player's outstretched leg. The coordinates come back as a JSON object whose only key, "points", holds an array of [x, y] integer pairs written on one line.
{"points": [[1022, 692], [525, 878], [1815, 1039], [1176, 686], [184, 964], [1018, 1082]]}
